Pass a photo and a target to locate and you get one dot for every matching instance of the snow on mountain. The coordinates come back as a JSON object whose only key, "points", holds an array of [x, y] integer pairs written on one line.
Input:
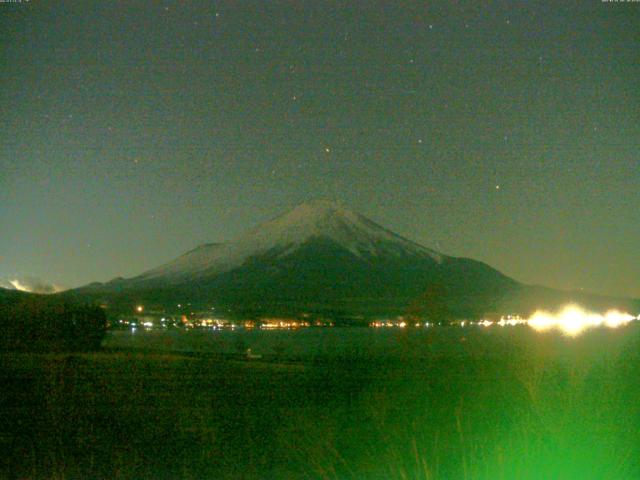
{"points": [[282, 235], [191, 263], [328, 220], [30, 285]]}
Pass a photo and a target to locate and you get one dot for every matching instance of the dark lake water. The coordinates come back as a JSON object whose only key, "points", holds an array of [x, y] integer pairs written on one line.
{"points": [[376, 342]]}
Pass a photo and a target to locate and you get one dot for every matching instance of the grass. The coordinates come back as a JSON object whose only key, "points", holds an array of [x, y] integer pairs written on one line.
{"points": [[507, 405]]}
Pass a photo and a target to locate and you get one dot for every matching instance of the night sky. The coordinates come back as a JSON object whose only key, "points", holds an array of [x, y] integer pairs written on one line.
{"points": [[508, 132]]}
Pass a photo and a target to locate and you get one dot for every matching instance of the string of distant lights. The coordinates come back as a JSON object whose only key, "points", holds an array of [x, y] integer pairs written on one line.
{"points": [[571, 320]]}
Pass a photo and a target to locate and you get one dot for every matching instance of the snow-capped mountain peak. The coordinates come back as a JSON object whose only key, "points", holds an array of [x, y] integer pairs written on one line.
{"points": [[328, 220], [316, 220]]}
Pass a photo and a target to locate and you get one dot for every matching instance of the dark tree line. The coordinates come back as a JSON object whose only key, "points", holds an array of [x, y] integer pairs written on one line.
{"points": [[40, 323]]}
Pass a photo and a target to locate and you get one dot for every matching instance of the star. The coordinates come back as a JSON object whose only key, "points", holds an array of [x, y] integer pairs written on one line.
{"points": [[497, 187], [327, 149]]}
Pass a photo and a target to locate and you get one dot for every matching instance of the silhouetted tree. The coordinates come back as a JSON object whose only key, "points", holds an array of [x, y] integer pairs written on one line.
{"points": [[39, 323]]}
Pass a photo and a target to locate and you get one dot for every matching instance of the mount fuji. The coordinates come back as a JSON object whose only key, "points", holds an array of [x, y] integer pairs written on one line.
{"points": [[320, 223], [325, 259]]}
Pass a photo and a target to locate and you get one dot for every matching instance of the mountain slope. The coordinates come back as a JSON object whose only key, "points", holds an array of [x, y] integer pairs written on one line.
{"points": [[282, 236], [321, 257]]}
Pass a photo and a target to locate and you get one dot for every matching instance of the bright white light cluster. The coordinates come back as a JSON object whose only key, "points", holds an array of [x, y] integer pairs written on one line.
{"points": [[17, 284], [573, 320]]}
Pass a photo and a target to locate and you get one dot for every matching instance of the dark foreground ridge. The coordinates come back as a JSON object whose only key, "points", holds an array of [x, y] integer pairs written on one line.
{"points": [[46, 323]]}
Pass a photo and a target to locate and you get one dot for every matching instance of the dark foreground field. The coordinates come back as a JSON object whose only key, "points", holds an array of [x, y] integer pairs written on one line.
{"points": [[507, 405]]}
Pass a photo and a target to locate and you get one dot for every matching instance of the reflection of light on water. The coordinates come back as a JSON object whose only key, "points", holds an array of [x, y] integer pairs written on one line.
{"points": [[573, 320]]}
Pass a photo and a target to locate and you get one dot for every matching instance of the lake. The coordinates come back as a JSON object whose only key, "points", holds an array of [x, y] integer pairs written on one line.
{"points": [[373, 343]]}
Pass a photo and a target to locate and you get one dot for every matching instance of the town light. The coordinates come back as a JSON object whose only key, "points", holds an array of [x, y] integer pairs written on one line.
{"points": [[573, 320]]}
